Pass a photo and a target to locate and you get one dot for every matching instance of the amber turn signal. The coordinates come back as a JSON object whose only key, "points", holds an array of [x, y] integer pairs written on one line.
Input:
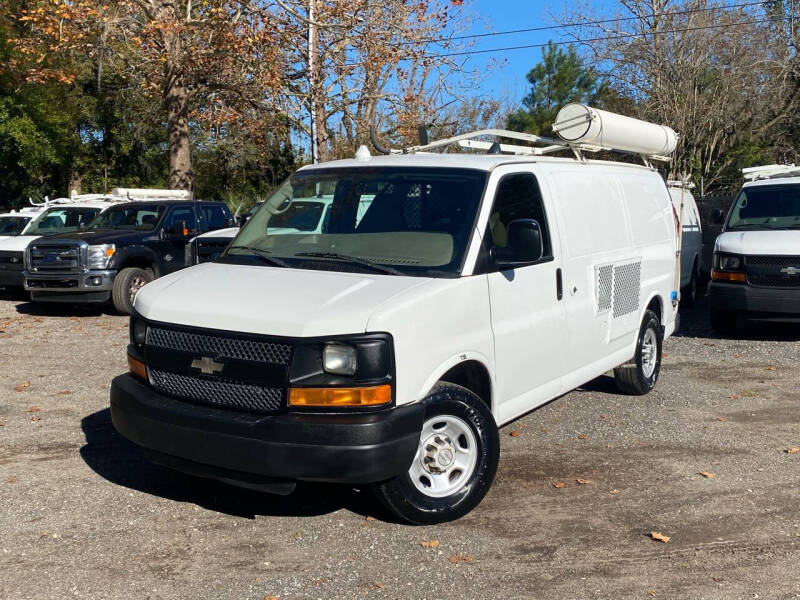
{"points": [[332, 397], [724, 276], [137, 367]]}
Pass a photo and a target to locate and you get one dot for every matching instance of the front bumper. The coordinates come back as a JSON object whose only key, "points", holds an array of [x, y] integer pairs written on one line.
{"points": [[11, 278], [88, 286], [756, 302], [247, 449]]}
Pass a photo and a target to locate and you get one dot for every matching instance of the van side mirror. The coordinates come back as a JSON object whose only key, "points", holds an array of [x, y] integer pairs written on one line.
{"points": [[525, 244], [717, 217]]}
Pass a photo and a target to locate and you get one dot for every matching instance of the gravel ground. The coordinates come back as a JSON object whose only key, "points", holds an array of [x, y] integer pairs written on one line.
{"points": [[82, 514]]}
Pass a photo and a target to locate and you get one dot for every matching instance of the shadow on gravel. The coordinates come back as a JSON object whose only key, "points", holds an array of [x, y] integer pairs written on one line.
{"points": [[604, 384], [121, 462], [47, 309], [695, 322]]}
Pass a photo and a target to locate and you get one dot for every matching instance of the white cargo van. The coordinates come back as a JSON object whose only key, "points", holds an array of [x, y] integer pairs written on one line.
{"points": [[386, 350], [756, 272], [691, 238]]}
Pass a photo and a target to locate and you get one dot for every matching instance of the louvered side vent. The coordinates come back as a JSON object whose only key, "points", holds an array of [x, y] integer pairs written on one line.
{"points": [[604, 283], [627, 282]]}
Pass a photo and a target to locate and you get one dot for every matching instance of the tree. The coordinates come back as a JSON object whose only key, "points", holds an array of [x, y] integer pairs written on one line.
{"points": [[560, 78]]}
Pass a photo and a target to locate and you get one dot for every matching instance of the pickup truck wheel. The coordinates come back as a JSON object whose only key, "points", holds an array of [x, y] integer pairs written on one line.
{"points": [[127, 284], [455, 462], [640, 375]]}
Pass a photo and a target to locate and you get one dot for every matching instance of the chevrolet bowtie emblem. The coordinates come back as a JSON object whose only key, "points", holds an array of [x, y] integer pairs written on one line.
{"points": [[207, 365], [790, 270]]}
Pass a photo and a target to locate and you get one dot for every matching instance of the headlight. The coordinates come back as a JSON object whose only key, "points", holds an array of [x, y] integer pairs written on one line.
{"points": [[99, 256], [730, 262], [339, 359]]}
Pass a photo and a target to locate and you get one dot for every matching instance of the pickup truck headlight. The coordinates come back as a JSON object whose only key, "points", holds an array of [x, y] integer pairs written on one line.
{"points": [[99, 256]]}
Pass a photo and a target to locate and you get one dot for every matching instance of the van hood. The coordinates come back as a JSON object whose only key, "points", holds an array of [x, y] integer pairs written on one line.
{"points": [[775, 242], [17, 243], [269, 300]]}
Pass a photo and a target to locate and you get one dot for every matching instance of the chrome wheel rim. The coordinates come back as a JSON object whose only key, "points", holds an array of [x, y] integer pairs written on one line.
{"points": [[649, 352], [446, 456], [137, 283]]}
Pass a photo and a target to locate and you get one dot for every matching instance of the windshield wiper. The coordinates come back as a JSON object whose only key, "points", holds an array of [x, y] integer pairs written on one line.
{"points": [[265, 255], [352, 259]]}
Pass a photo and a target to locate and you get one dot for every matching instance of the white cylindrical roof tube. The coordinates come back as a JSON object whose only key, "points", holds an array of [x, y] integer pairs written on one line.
{"points": [[582, 124], [142, 193]]}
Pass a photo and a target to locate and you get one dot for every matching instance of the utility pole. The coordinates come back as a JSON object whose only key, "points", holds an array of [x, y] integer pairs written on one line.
{"points": [[312, 83]]}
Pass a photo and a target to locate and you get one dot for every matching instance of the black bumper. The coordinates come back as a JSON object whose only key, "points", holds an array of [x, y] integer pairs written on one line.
{"points": [[241, 448], [755, 301], [11, 278]]}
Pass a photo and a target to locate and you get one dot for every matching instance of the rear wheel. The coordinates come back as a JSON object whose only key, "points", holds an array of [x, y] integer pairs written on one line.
{"points": [[640, 375], [127, 284], [723, 322], [455, 463]]}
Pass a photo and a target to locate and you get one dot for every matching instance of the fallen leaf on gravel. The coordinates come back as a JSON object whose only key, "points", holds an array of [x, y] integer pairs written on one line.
{"points": [[63, 393], [543, 430], [368, 518], [723, 419], [23, 385], [583, 481], [737, 356], [429, 543], [718, 579], [459, 558], [583, 436], [34, 409], [707, 475], [651, 593], [660, 537], [614, 492], [733, 396], [559, 484], [38, 319], [792, 450], [772, 368], [272, 598], [515, 434], [376, 586], [11, 479], [34, 418]]}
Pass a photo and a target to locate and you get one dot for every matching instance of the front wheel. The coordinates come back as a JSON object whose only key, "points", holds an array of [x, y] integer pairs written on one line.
{"points": [[640, 375], [127, 284], [455, 462]]}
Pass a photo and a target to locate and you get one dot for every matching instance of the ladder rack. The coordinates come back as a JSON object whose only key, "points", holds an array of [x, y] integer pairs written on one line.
{"points": [[537, 145], [770, 172]]}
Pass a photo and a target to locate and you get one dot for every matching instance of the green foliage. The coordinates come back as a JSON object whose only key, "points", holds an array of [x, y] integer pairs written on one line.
{"points": [[560, 78]]}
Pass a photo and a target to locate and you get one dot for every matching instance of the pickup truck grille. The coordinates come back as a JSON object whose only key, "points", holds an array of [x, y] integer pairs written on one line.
{"points": [[232, 371], [55, 258], [773, 271]]}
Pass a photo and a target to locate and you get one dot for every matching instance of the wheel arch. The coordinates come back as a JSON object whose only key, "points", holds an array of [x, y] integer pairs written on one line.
{"points": [[141, 261], [470, 370]]}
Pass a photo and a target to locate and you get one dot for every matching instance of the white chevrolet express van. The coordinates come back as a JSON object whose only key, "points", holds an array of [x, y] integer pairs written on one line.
{"points": [[756, 272], [387, 349]]}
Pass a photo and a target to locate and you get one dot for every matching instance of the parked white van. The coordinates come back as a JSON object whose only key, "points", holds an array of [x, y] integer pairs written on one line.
{"points": [[386, 350], [756, 271], [691, 239]]}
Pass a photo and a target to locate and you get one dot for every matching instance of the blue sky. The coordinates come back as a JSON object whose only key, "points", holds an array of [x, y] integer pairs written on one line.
{"points": [[507, 78]]}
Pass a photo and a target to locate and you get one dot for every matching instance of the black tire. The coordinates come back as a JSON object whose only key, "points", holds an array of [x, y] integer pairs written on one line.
{"points": [[403, 497], [126, 285], [640, 375], [723, 322], [690, 295]]}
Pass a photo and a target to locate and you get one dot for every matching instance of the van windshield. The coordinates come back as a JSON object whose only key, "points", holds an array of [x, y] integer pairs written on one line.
{"points": [[62, 220], [767, 207], [394, 220]]}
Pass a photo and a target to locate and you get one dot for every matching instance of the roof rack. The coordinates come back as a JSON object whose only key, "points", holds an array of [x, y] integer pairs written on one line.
{"points": [[770, 172], [677, 183], [135, 194]]}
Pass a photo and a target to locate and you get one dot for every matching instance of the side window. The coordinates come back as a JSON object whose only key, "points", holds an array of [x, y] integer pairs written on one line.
{"points": [[517, 197], [215, 216], [181, 213]]}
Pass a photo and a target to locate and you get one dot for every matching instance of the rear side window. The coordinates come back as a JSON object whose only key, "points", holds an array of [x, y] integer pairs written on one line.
{"points": [[215, 215], [517, 197]]}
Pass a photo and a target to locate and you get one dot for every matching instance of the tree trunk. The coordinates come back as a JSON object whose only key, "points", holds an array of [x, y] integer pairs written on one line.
{"points": [[181, 175]]}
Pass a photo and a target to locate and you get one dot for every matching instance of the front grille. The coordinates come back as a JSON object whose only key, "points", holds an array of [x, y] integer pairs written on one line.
{"points": [[218, 392], [219, 346], [55, 258], [10, 261], [52, 283], [773, 271], [208, 250]]}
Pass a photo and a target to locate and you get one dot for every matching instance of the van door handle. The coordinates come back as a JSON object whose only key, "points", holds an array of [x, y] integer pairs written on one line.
{"points": [[559, 285]]}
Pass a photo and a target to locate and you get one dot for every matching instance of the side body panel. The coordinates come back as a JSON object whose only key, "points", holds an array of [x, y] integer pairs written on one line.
{"points": [[692, 242]]}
